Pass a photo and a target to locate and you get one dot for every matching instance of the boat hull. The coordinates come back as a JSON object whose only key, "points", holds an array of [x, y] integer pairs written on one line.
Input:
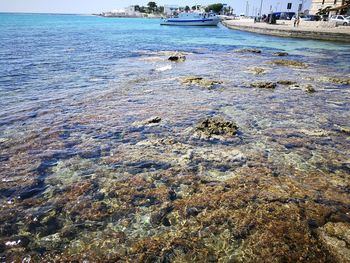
{"points": [[199, 22]]}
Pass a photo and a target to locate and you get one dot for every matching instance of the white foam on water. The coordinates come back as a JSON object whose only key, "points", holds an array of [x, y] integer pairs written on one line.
{"points": [[167, 67]]}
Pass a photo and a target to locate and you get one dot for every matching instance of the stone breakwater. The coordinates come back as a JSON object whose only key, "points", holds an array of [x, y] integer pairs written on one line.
{"points": [[185, 165], [331, 34]]}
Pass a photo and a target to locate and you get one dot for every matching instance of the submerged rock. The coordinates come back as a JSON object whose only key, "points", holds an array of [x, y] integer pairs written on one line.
{"points": [[160, 217], [199, 81], [281, 54], [248, 50], [288, 63], [257, 70], [2, 140], [214, 162], [216, 126], [319, 132], [309, 89], [263, 85], [335, 237], [286, 82], [192, 211], [343, 129]]}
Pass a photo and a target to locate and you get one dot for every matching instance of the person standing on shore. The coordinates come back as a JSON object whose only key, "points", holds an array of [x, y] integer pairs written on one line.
{"points": [[296, 21]]}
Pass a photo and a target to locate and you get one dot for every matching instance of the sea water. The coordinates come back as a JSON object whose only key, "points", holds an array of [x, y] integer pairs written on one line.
{"points": [[87, 175]]}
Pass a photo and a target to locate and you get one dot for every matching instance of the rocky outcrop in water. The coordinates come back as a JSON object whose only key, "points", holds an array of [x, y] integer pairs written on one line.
{"points": [[341, 81], [248, 50], [263, 85], [177, 58], [216, 127], [309, 88], [148, 122], [288, 63], [199, 81], [286, 82], [281, 54], [334, 80], [257, 70]]}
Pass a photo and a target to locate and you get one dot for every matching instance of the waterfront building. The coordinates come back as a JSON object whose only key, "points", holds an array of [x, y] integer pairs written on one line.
{"points": [[267, 6], [124, 12]]}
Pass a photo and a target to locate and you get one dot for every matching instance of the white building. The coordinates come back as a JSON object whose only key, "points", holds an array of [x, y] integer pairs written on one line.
{"points": [[252, 7], [291, 5], [130, 10], [170, 9], [124, 12]]}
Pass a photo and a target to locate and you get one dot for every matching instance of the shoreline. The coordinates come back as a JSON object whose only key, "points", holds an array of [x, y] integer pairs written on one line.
{"points": [[339, 34]]}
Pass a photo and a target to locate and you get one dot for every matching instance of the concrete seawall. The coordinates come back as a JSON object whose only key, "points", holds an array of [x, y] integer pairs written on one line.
{"points": [[341, 34]]}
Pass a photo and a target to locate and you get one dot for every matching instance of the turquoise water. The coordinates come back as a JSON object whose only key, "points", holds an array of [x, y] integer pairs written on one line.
{"points": [[45, 52], [65, 52], [81, 170]]}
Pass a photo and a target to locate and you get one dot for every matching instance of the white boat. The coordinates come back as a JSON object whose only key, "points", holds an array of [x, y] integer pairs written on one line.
{"points": [[192, 19]]}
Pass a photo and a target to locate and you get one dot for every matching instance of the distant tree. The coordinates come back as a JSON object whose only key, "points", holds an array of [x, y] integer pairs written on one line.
{"points": [[152, 7], [187, 8], [137, 8], [142, 9], [160, 9], [214, 7], [323, 11]]}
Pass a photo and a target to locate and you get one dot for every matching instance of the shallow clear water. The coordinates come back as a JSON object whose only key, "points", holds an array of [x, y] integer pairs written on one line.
{"points": [[80, 171]]}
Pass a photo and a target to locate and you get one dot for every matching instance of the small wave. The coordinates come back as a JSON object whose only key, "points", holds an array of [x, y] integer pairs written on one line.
{"points": [[95, 79], [167, 67]]}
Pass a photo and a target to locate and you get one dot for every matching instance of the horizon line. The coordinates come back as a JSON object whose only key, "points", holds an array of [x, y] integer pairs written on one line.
{"points": [[44, 13]]}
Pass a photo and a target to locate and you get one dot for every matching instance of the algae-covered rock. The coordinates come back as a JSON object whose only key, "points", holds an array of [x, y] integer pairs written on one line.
{"points": [[286, 82], [248, 50], [309, 88], [339, 81], [288, 63], [335, 237], [264, 85], [216, 126], [160, 217], [199, 81], [280, 54]]}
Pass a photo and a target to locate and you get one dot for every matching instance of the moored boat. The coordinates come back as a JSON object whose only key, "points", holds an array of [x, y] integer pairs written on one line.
{"points": [[192, 19]]}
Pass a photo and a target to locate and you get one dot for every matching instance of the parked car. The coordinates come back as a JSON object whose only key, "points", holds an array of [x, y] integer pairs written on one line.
{"points": [[314, 18], [284, 15], [308, 18], [340, 20]]}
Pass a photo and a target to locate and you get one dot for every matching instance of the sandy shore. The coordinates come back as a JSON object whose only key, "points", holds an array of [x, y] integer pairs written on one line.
{"points": [[310, 30]]}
